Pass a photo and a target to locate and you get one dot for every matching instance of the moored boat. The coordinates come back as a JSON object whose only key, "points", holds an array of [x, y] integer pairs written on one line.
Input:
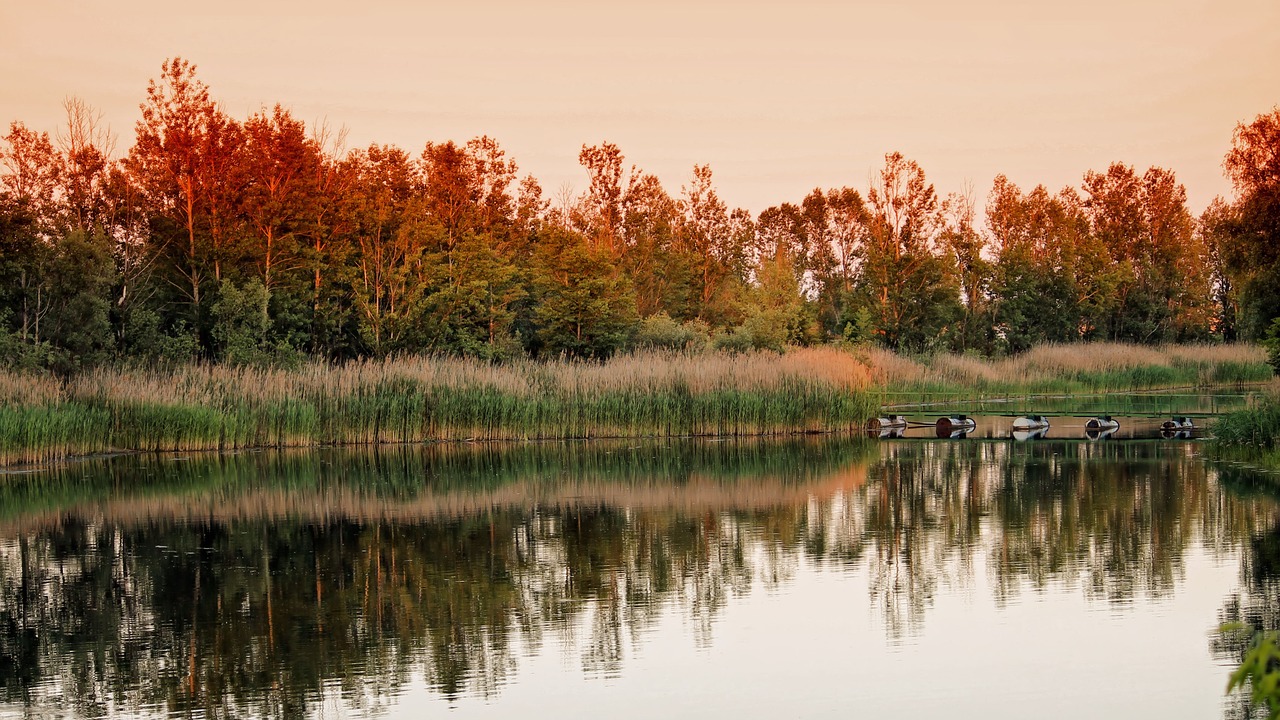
{"points": [[1031, 422], [955, 426], [1101, 428], [1104, 422], [1179, 422], [886, 422]]}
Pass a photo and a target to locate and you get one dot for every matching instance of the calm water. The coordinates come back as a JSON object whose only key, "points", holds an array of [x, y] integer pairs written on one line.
{"points": [[821, 577]]}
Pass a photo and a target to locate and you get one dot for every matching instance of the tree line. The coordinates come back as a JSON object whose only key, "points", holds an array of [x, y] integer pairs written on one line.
{"points": [[265, 240]]}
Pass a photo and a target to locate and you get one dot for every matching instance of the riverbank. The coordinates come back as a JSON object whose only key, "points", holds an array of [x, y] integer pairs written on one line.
{"points": [[414, 400]]}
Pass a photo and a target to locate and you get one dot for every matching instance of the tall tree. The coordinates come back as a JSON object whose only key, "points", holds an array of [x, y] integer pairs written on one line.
{"points": [[603, 202], [913, 290], [964, 245], [173, 162], [1253, 165], [279, 171], [717, 242], [389, 237]]}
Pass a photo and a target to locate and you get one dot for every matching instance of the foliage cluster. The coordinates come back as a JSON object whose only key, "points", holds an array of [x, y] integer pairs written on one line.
{"points": [[264, 241]]}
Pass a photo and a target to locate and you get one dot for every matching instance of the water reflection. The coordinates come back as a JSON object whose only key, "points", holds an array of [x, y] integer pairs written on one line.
{"points": [[262, 583], [1256, 604]]}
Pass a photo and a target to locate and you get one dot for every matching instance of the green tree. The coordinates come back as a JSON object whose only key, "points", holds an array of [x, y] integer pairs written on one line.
{"points": [[584, 307]]}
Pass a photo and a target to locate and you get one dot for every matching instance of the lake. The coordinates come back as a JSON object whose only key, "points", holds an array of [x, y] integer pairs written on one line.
{"points": [[817, 576]]}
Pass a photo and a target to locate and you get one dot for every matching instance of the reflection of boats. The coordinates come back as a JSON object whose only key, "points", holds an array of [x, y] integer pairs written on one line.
{"points": [[1101, 428], [1100, 434], [1175, 434], [1031, 422], [1178, 423], [955, 426], [1025, 435], [889, 421]]}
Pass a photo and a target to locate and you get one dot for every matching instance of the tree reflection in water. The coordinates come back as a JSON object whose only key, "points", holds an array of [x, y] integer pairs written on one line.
{"points": [[262, 583]]}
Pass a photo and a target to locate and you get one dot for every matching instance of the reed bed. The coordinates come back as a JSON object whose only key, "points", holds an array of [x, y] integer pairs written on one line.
{"points": [[407, 400], [1253, 434], [1094, 367], [652, 394]]}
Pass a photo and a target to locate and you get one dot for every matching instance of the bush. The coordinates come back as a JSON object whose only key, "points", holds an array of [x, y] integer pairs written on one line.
{"points": [[661, 332], [1272, 344]]}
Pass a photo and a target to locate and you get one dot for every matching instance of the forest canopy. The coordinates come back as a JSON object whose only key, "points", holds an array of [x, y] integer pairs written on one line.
{"points": [[262, 240]]}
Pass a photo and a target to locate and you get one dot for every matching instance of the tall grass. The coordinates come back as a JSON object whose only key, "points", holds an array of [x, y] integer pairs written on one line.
{"points": [[1253, 433], [204, 407], [1093, 367]]}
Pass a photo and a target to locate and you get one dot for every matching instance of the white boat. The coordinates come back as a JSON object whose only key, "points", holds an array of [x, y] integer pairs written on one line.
{"points": [[1101, 428], [886, 433], [1104, 422], [1178, 423], [1031, 422], [887, 421]]}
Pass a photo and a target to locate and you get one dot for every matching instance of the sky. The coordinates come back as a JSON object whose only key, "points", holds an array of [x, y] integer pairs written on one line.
{"points": [[778, 98]]}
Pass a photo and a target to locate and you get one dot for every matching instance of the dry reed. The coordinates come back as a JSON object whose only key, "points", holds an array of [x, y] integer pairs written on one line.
{"points": [[1091, 366], [420, 399]]}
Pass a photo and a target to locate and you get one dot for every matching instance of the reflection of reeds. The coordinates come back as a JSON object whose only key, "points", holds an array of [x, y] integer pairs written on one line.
{"points": [[203, 407], [697, 496], [437, 482]]}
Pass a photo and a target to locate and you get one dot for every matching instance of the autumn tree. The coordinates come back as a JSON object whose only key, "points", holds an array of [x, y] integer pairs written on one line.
{"points": [[31, 174], [389, 244], [1215, 228], [911, 290], [603, 201], [279, 171], [963, 244], [327, 232], [1253, 257], [85, 146], [1148, 233], [1038, 293], [717, 242], [178, 160]]}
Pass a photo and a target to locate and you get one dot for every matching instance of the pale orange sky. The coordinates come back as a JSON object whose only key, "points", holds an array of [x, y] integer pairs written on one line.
{"points": [[778, 98]]}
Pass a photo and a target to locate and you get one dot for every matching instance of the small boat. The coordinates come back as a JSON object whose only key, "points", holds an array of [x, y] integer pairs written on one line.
{"points": [[1178, 423], [1031, 422], [1104, 422], [886, 433], [955, 426], [888, 421], [1100, 428]]}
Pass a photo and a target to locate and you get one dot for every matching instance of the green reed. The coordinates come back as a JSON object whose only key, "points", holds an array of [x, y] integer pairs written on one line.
{"points": [[228, 412]]}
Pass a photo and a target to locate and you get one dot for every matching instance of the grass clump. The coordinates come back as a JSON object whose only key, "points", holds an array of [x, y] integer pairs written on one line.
{"points": [[1253, 434]]}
